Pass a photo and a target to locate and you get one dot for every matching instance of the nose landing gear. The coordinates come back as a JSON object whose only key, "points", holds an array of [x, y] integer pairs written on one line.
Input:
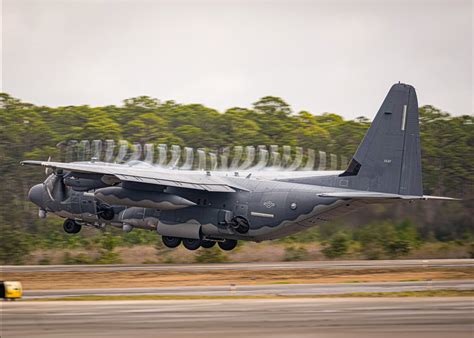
{"points": [[71, 226]]}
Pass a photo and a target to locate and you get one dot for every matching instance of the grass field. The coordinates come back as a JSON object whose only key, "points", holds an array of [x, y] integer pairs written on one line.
{"points": [[131, 279]]}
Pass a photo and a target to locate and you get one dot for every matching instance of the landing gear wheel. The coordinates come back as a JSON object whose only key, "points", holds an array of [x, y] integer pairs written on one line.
{"points": [[71, 227], [171, 242], [240, 224], [228, 244], [191, 243], [208, 244]]}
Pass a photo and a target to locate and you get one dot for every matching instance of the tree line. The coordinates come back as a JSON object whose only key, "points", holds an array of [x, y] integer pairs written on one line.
{"points": [[29, 131]]}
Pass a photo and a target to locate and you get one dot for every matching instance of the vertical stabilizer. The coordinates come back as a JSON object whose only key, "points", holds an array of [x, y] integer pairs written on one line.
{"points": [[389, 157]]}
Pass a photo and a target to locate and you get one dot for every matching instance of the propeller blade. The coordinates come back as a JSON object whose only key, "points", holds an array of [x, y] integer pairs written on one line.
{"points": [[47, 170]]}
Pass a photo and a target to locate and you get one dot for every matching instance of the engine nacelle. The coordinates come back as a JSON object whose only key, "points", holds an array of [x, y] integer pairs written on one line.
{"points": [[83, 183], [143, 218], [56, 197], [142, 198]]}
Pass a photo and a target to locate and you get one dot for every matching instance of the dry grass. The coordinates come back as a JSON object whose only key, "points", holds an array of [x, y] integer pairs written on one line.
{"points": [[130, 279], [248, 252]]}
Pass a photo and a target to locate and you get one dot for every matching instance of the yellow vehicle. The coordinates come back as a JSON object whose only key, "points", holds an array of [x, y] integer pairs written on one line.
{"points": [[10, 290]]}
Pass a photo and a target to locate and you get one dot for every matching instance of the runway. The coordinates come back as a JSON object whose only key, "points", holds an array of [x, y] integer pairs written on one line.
{"points": [[334, 318], [256, 290], [347, 265]]}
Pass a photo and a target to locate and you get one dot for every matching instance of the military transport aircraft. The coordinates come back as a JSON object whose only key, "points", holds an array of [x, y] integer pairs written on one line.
{"points": [[200, 209]]}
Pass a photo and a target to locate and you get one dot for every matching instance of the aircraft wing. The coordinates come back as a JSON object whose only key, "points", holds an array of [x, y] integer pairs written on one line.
{"points": [[171, 178], [369, 195]]}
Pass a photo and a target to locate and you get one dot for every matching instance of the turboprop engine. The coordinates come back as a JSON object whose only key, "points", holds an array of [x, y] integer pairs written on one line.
{"points": [[66, 196], [54, 196]]}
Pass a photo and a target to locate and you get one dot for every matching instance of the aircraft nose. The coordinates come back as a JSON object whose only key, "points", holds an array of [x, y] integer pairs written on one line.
{"points": [[36, 194]]}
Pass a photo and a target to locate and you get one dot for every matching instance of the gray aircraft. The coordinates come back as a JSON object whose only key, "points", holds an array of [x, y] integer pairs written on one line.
{"points": [[200, 209]]}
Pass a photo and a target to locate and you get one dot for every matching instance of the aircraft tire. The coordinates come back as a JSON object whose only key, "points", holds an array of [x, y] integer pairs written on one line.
{"points": [[208, 244], [228, 244], [191, 243], [171, 242], [71, 227]]}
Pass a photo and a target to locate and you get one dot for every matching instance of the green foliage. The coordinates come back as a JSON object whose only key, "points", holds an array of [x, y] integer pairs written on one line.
{"points": [[81, 258], [295, 253], [471, 250], [212, 255], [108, 242], [307, 236], [138, 237], [14, 248], [337, 246], [447, 156], [103, 246], [108, 257], [386, 239]]}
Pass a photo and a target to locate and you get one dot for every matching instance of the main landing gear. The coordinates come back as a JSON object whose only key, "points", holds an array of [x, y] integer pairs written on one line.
{"points": [[171, 242], [194, 244], [71, 226], [207, 244], [228, 244], [191, 243]]}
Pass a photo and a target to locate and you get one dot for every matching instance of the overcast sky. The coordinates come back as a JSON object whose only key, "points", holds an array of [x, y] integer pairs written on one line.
{"points": [[320, 56]]}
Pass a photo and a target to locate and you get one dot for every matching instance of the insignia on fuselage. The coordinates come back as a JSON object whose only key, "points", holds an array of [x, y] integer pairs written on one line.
{"points": [[268, 204]]}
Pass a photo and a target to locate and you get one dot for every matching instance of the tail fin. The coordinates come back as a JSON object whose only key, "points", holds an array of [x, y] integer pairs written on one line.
{"points": [[389, 158]]}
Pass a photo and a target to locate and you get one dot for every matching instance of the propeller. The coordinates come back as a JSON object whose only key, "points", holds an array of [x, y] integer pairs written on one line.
{"points": [[55, 186]]}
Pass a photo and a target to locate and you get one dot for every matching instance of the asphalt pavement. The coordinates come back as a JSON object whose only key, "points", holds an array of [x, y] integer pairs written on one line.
{"points": [[256, 290], [351, 265], [332, 318]]}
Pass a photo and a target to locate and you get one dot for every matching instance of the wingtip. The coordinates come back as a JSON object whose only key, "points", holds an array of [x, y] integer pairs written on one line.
{"points": [[31, 162], [441, 198]]}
